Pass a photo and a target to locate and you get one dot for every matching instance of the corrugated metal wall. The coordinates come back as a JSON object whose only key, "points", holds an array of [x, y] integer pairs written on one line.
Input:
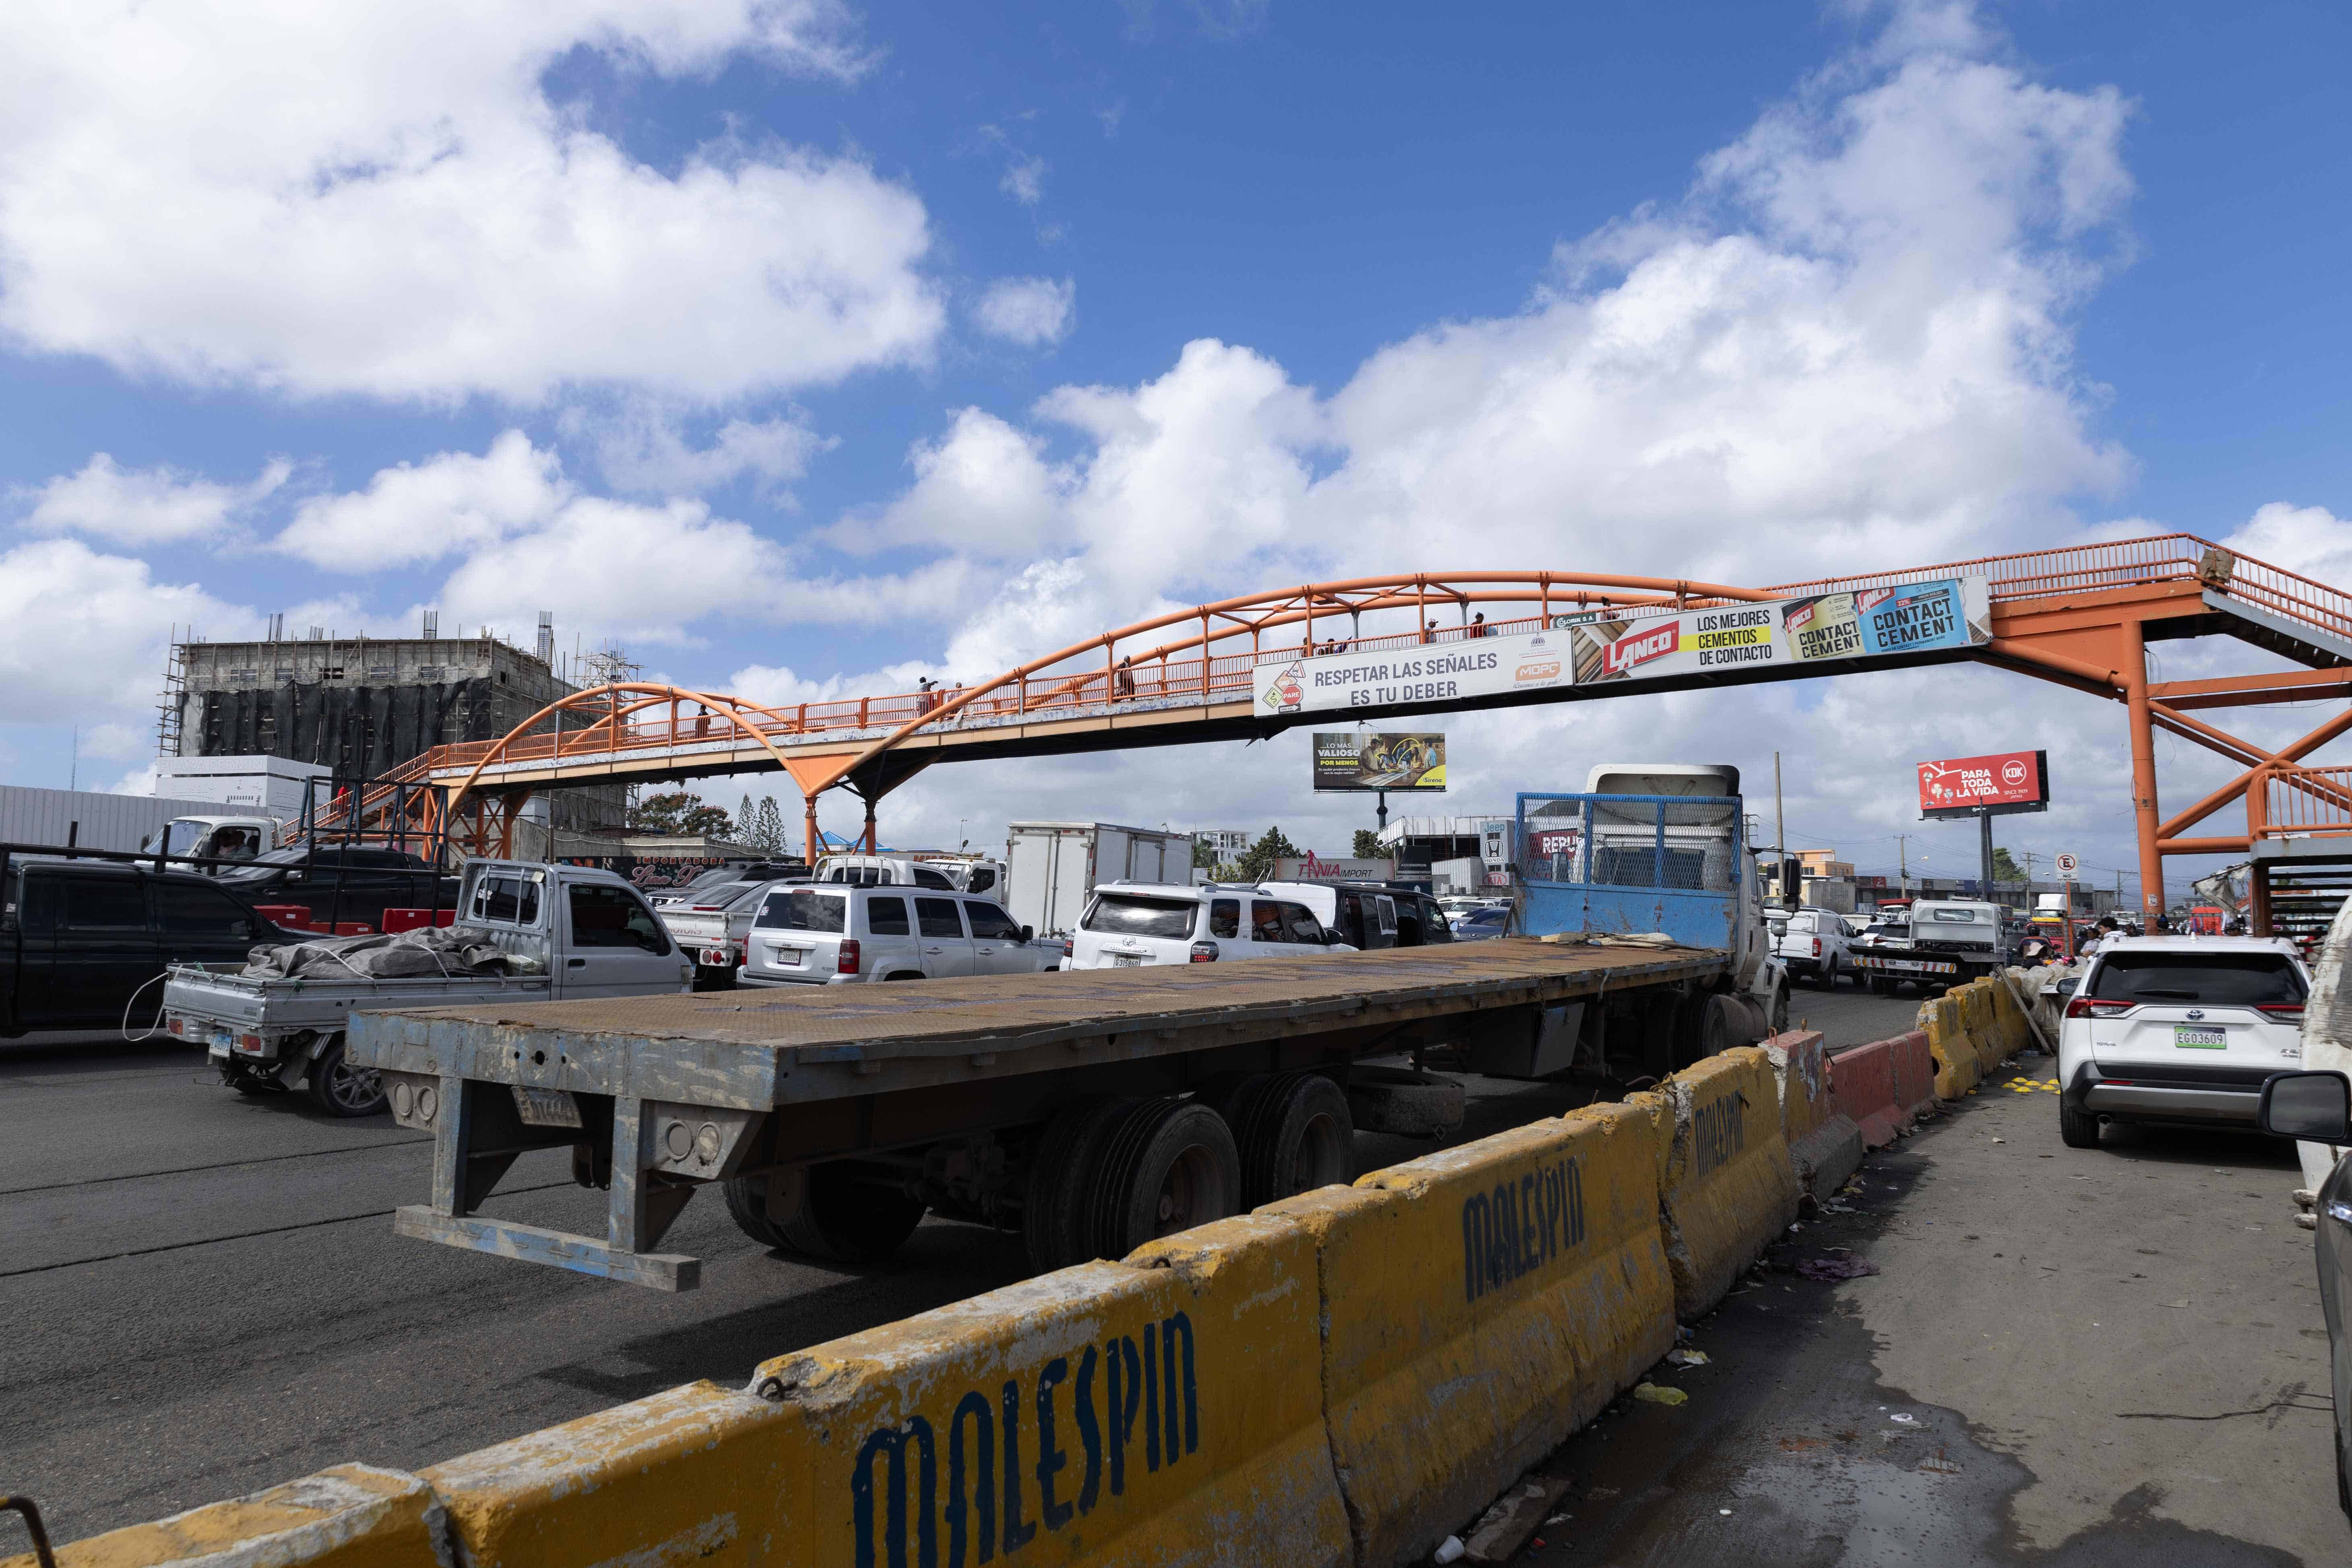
{"points": [[108, 821]]}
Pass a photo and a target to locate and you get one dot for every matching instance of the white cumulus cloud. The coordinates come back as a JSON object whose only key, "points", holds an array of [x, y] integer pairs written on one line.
{"points": [[142, 506], [85, 634], [1028, 310], [421, 511], [381, 197]]}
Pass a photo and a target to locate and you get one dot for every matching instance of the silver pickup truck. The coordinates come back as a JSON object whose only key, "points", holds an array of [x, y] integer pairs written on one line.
{"points": [[571, 932]]}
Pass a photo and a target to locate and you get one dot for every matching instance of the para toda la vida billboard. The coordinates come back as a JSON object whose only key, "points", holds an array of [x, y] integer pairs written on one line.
{"points": [[1999, 783], [1595, 647]]}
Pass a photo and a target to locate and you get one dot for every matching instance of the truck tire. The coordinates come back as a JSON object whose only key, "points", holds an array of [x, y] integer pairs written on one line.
{"points": [[252, 1085], [2077, 1128], [828, 1214], [1296, 1133], [1411, 1104], [1728, 1023], [1780, 1008], [340, 1088], [1052, 1209], [1165, 1166], [1879, 985]]}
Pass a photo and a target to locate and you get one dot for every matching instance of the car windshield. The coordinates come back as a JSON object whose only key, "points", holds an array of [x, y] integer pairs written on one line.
{"points": [[1487, 917], [2223, 979], [802, 908], [1125, 914]]}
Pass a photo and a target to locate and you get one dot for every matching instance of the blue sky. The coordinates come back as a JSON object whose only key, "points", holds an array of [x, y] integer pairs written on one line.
{"points": [[810, 347]]}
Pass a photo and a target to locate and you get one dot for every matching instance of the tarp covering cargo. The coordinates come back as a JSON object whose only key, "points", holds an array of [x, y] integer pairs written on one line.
{"points": [[442, 950]]}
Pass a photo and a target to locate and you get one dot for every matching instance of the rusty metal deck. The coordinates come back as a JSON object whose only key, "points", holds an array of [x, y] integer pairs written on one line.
{"points": [[775, 1047]]}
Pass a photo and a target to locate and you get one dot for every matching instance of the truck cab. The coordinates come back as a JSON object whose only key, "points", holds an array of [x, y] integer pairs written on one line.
{"points": [[225, 836]]}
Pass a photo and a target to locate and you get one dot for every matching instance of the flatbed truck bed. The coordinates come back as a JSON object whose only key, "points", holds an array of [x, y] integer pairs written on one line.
{"points": [[836, 1116]]}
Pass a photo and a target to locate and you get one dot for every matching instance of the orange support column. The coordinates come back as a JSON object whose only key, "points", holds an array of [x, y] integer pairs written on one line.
{"points": [[809, 839], [2142, 764]]}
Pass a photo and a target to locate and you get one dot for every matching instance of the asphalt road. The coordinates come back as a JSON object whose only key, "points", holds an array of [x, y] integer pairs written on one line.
{"points": [[202, 1294], [2069, 1358]]}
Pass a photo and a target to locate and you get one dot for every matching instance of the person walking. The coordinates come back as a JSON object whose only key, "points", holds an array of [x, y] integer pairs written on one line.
{"points": [[1479, 625]]}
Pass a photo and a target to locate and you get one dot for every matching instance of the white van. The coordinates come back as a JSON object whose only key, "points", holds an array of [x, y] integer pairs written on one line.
{"points": [[840, 934], [1129, 923], [1368, 915]]}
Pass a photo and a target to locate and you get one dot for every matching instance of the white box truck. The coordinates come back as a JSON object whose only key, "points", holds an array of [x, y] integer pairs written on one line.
{"points": [[1051, 868]]}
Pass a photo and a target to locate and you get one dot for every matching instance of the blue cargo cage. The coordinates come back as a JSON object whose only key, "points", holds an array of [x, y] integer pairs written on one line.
{"points": [[1628, 863]]}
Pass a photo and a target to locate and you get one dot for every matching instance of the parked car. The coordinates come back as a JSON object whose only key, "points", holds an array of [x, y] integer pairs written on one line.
{"points": [[1814, 946], [1129, 923], [841, 934], [709, 928], [347, 884], [1484, 925], [2178, 1029], [2316, 1108], [1885, 933], [1368, 915], [719, 876], [79, 940]]}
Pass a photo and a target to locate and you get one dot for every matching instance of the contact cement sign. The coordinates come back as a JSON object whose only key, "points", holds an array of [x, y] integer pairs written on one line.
{"points": [[1597, 647]]}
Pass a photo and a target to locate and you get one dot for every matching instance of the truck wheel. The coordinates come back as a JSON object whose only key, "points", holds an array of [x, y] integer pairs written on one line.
{"points": [[1399, 1101], [1165, 1166], [1729, 1021], [1294, 1134], [1779, 1009], [824, 1212], [1880, 986], [1060, 1176], [2077, 1128], [254, 1085], [340, 1088]]}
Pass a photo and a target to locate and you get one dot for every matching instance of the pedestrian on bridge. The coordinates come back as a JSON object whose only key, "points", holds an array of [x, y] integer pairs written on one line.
{"points": [[1479, 625], [1126, 682]]}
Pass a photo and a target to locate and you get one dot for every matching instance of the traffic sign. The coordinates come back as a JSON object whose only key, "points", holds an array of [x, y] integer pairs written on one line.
{"points": [[2068, 866]]}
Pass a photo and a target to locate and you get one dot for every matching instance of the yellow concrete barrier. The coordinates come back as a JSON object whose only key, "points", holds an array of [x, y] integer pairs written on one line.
{"points": [[1164, 1410], [1956, 1072], [1984, 1034], [1481, 1304], [1825, 1146], [1728, 1186], [353, 1516], [2008, 1018]]}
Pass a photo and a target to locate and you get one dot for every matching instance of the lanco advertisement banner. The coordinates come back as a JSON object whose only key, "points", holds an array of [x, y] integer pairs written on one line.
{"points": [[1601, 647], [1379, 758]]}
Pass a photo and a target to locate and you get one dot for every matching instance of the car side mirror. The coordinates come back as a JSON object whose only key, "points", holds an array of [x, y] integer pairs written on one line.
{"points": [[1028, 933], [145, 839], [2315, 1107], [2068, 986]]}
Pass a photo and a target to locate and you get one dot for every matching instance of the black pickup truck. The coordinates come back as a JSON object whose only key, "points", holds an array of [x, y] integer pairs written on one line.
{"points": [[79, 938], [352, 884]]}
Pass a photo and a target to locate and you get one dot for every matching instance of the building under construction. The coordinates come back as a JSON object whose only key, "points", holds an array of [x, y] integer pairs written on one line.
{"points": [[362, 706]]}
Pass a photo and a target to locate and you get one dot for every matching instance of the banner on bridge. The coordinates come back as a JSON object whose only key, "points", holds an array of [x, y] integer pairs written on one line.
{"points": [[1600, 646]]}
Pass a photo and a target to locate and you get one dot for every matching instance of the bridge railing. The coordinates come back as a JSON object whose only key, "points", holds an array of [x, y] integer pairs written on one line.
{"points": [[2290, 801]]}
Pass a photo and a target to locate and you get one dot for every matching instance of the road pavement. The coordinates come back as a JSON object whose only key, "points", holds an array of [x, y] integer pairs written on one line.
{"points": [[2072, 1358]]}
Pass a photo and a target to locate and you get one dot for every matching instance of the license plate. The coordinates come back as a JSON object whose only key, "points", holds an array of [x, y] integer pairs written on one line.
{"points": [[221, 1040], [1126, 960], [217, 1053], [792, 955], [1907, 966], [2194, 1039], [546, 1107]]}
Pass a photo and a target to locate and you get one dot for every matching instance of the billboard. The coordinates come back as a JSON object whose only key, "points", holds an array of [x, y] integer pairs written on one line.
{"points": [[1993, 785], [1379, 758], [1598, 647]]}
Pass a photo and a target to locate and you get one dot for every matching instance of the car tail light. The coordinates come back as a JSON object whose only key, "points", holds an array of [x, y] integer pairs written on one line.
{"points": [[743, 951], [249, 1043], [1069, 947], [2083, 1007], [177, 1026], [1817, 947], [1205, 951], [2280, 1009], [847, 962]]}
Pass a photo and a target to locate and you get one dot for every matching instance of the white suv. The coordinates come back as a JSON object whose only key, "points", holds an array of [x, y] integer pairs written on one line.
{"points": [[2177, 1029], [840, 934], [1129, 923]]}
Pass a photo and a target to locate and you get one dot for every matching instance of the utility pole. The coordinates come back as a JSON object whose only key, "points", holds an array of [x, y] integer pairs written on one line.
{"points": [[1780, 838], [1903, 860]]}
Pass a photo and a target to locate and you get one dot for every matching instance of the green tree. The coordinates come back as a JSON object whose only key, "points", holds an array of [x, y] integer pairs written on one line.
{"points": [[1258, 863], [679, 814], [2005, 870], [1204, 855], [1368, 845]]}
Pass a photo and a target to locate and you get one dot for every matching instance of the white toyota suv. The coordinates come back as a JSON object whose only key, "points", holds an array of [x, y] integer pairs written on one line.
{"points": [[1129, 923], [842, 934], [2181, 1029]]}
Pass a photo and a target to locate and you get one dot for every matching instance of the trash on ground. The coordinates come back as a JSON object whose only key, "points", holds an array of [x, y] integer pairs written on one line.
{"points": [[1449, 1550], [1656, 1395], [1835, 1268], [1905, 1418], [1687, 1358]]}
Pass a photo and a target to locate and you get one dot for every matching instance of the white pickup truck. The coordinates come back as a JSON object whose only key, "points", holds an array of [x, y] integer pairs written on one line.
{"points": [[570, 931]]}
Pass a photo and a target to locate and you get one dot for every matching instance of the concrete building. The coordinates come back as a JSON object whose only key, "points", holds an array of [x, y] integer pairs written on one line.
{"points": [[1420, 842], [361, 706]]}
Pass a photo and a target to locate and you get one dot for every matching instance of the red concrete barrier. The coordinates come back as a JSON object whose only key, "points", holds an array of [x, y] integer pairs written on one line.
{"points": [[1861, 1086], [416, 919], [1914, 1073], [293, 917]]}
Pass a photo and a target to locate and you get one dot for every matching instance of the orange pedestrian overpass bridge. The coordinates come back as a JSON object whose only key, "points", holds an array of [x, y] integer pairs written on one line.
{"points": [[1373, 647]]}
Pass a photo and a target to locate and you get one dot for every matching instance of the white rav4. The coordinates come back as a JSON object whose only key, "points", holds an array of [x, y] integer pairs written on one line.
{"points": [[2178, 1029], [1131, 924]]}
